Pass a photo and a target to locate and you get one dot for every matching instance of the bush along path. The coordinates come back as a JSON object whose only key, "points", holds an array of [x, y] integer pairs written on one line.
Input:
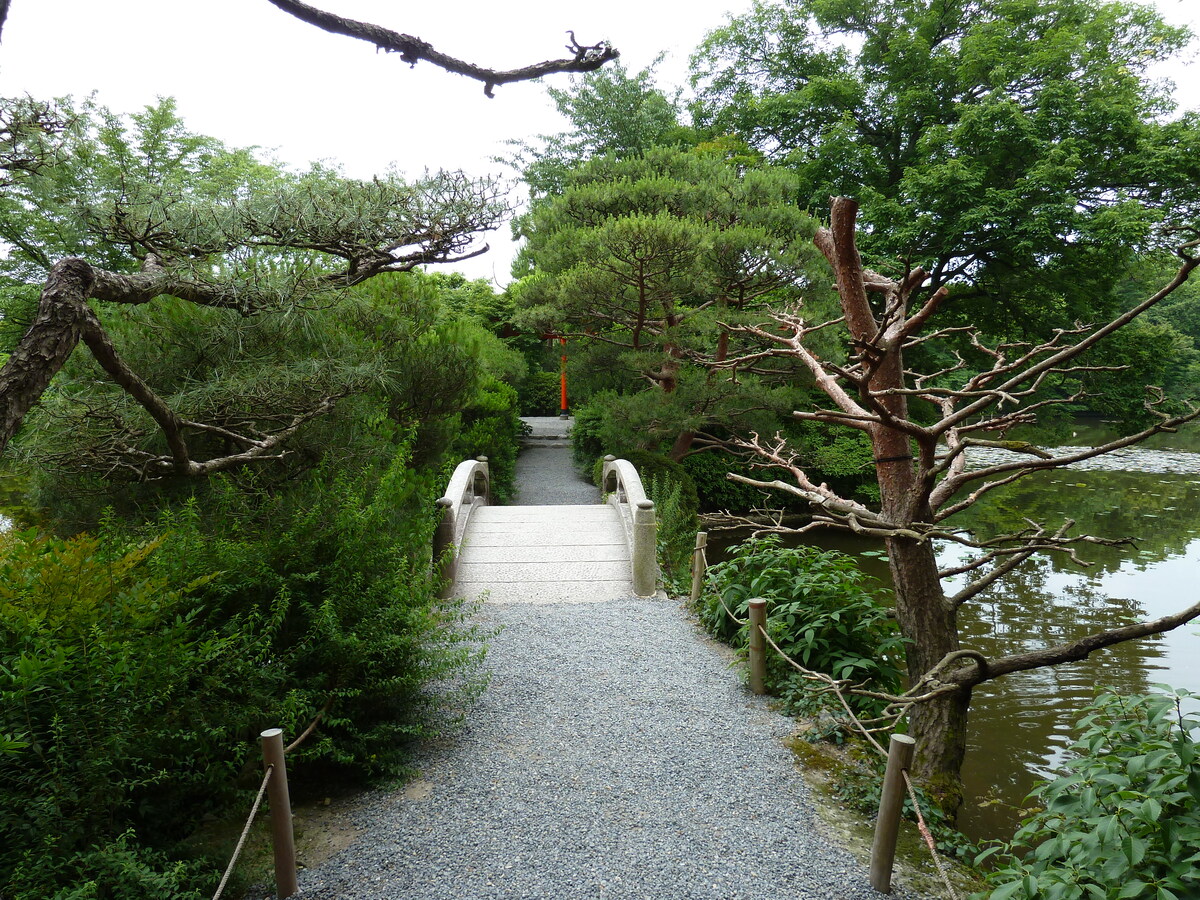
{"points": [[615, 754]]}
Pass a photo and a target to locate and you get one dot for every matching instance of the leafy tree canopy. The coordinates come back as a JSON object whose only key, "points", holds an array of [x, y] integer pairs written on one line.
{"points": [[986, 140], [611, 112], [646, 255], [133, 214]]}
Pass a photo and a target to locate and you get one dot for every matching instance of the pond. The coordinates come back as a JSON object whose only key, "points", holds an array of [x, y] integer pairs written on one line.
{"points": [[1021, 724]]}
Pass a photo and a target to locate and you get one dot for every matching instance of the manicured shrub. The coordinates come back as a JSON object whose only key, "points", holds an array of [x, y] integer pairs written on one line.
{"points": [[1123, 821], [541, 394]]}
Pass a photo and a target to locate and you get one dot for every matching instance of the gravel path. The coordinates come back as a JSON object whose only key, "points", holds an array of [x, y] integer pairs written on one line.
{"points": [[615, 755], [545, 474]]}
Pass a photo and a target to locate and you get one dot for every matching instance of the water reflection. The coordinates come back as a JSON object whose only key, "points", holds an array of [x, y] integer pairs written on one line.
{"points": [[1020, 724]]}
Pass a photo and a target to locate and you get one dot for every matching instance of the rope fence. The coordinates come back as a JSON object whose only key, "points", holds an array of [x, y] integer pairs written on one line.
{"points": [[237, 851], [898, 757], [883, 850], [276, 789]]}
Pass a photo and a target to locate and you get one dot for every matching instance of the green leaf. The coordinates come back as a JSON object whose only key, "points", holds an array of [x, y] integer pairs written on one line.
{"points": [[1131, 890]]}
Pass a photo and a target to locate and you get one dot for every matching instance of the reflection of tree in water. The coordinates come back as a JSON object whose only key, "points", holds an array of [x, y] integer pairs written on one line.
{"points": [[1020, 724], [1160, 512]]}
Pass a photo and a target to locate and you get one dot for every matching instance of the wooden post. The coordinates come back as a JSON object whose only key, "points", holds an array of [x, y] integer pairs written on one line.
{"points": [[891, 802], [758, 645], [698, 564], [563, 412], [281, 814]]}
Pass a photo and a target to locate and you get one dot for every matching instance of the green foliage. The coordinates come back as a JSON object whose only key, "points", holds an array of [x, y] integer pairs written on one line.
{"points": [[822, 611], [1124, 821], [541, 394], [588, 441], [675, 516], [643, 259], [491, 426], [717, 493], [134, 680], [101, 660], [266, 317], [1021, 149], [611, 112]]}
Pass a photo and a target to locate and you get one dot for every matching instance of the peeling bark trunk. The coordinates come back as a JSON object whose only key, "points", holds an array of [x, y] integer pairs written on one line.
{"points": [[929, 620], [45, 347]]}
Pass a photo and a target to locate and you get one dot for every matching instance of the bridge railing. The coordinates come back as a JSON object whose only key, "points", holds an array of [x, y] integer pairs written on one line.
{"points": [[623, 488], [470, 487]]}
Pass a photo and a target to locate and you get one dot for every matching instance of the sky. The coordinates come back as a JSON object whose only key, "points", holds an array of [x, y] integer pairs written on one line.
{"points": [[248, 74]]}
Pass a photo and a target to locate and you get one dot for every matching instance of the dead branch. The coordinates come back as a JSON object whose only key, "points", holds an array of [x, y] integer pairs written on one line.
{"points": [[584, 57]]}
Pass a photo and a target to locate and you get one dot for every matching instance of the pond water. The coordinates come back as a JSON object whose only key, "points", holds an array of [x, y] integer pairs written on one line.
{"points": [[1021, 724]]}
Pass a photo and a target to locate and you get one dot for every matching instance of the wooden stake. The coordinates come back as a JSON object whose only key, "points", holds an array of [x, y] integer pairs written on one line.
{"points": [[758, 645], [887, 824], [282, 839], [698, 564]]}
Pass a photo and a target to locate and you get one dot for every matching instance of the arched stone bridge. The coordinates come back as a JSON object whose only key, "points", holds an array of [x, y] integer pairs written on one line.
{"points": [[548, 554]]}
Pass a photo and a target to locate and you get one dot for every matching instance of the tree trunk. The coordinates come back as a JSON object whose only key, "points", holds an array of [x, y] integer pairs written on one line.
{"points": [[682, 445], [930, 622], [44, 348]]}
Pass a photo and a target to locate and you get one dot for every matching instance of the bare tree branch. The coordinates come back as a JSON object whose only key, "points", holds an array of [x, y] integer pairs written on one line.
{"points": [[585, 58]]}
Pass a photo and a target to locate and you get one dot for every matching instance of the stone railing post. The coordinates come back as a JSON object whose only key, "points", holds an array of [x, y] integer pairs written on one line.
{"points": [[645, 549], [444, 556]]}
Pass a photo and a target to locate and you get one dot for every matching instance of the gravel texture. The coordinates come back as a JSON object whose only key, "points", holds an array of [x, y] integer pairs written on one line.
{"points": [[546, 477], [615, 755], [545, 474]]}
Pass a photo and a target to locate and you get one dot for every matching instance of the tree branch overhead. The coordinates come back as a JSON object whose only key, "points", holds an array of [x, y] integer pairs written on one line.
{"points": [[585, 58]]}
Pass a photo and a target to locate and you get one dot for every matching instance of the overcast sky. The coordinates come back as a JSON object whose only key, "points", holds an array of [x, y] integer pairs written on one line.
{"points": [[247, 73]]}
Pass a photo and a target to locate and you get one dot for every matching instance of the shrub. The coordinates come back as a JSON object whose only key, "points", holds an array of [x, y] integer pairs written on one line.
{"points": [[676, 531], [100, 665], [541, 394], [587, 438], [822, 611], [334, 580], [491, 427], [1124, 821], [133, 681]]}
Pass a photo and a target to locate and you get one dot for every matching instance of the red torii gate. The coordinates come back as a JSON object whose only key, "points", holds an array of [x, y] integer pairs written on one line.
{"points": [[563, 412]]}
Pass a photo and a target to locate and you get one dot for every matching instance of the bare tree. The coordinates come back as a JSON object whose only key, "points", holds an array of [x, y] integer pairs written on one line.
{"points": [[923, 475]]}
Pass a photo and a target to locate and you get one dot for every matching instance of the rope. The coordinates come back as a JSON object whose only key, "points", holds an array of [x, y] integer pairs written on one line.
{"points": [[925, 833], [729, 612], [245, 832], [836, 690]]}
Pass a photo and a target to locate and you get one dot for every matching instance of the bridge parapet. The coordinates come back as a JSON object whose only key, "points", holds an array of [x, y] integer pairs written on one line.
{"points": [[470, 487], [623, 489]]}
